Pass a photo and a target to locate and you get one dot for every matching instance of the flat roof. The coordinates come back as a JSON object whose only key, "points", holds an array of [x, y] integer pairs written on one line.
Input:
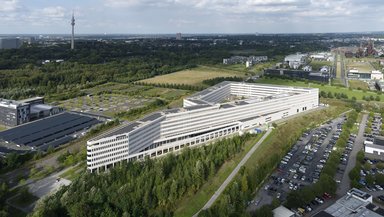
{"points": [[227, 106], [151, 117], [282, 211], [378, 140], [120, 130], [31, 99], [47, 130]]}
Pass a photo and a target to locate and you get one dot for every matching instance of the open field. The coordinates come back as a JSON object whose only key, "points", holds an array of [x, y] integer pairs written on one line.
{"points": [[190, 205], [361, 65], [327, 88], [194, 76], [111, 98], [356, 84]]}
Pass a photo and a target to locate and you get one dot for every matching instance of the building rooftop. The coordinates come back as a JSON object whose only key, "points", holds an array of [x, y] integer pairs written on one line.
{"points": [[47, 130], [378, 140], [282, 211], [31, 99], [355, 203]]}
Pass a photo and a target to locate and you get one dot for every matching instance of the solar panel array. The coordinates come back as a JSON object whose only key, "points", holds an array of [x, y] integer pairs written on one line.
{"points": [[53, 130]]}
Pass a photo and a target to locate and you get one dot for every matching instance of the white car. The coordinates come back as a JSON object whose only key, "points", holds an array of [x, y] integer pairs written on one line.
{"points": [[319, 200], [379, 187]]}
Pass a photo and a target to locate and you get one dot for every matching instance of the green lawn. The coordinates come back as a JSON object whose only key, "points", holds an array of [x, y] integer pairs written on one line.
{"points": [[190, 205], [355, 84], [2, 128], [327, 88], [74, 172]]}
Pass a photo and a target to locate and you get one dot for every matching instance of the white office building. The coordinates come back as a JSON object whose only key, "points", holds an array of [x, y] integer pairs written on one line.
{"points": [[296, 60], [225, 109]]}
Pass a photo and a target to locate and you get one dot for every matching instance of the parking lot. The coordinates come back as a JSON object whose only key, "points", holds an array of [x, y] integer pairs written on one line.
{"points": [[371, 168], [303, 164]]}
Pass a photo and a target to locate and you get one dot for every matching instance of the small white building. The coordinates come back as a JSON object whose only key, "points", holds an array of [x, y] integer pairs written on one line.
{"points": [[375, 149], [295, 60], [282, 211], [376, 75]]}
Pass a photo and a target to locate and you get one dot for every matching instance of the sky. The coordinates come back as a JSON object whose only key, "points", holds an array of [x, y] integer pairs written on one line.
{"points": [[190, 16]]}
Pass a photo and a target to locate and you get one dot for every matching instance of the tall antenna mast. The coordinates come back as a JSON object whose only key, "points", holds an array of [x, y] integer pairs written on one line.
{"points": [[73, 31]]}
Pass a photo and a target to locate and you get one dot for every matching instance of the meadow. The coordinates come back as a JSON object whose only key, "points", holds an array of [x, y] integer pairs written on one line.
{"points": [[194, 76]]}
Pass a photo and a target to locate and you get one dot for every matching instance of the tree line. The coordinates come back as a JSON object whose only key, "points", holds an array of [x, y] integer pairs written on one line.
{"points": [[149, 188]]}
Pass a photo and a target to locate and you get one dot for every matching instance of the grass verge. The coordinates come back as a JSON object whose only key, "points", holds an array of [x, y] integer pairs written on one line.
{"points": [[190, 205]]}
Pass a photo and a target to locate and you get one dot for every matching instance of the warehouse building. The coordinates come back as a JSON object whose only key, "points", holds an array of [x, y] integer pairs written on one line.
{"points": [[296, 60], [39, 135], [225, 109], [13, 113]]}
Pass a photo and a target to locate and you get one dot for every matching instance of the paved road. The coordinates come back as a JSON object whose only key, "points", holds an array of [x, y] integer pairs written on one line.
{"points": [[357, 146], [234, 172], [42, 188]]}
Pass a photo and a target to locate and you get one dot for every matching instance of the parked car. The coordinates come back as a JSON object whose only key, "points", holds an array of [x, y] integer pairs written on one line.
{"points": [[378, 187]]}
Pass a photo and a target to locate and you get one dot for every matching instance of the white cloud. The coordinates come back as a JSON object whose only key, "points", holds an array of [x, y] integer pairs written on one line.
{"points": [[9, 5]]}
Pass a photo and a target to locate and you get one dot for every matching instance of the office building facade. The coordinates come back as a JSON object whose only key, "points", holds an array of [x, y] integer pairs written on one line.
{"points": [[225, 109]]}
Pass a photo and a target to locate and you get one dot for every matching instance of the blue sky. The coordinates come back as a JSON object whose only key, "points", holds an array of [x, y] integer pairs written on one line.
{"points": [[190, 16]]}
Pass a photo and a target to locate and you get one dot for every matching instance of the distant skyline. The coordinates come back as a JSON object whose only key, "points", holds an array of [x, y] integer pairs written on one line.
{"points": [[190, 16]]}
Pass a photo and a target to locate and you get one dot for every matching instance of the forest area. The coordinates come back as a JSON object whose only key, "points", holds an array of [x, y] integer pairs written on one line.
{"points": [[148, 188], [23, 74]]}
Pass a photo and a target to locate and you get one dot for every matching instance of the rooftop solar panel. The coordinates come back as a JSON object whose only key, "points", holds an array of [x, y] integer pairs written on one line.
{"points": [[49, 130]]}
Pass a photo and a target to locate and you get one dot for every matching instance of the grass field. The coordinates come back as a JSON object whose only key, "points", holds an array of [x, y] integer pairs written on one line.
{"points": [[327, 88], [355, 84], [194, 76], [111, 98], [190, 205], [2, 128]]}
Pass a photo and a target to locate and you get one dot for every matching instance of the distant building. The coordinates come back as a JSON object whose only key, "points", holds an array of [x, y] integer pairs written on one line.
{"points": [[376, 75], [178, 36], [355, 203], [248, 61], [324, 69], [252, 60], [13, 113], [299, 74], [10, 43], [322, 57], [374, 149], [295, 60], [356, 74], [307, 68]]}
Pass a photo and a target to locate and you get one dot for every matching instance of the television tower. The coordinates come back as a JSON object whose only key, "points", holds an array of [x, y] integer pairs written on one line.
{"points": [[73, 31]]}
